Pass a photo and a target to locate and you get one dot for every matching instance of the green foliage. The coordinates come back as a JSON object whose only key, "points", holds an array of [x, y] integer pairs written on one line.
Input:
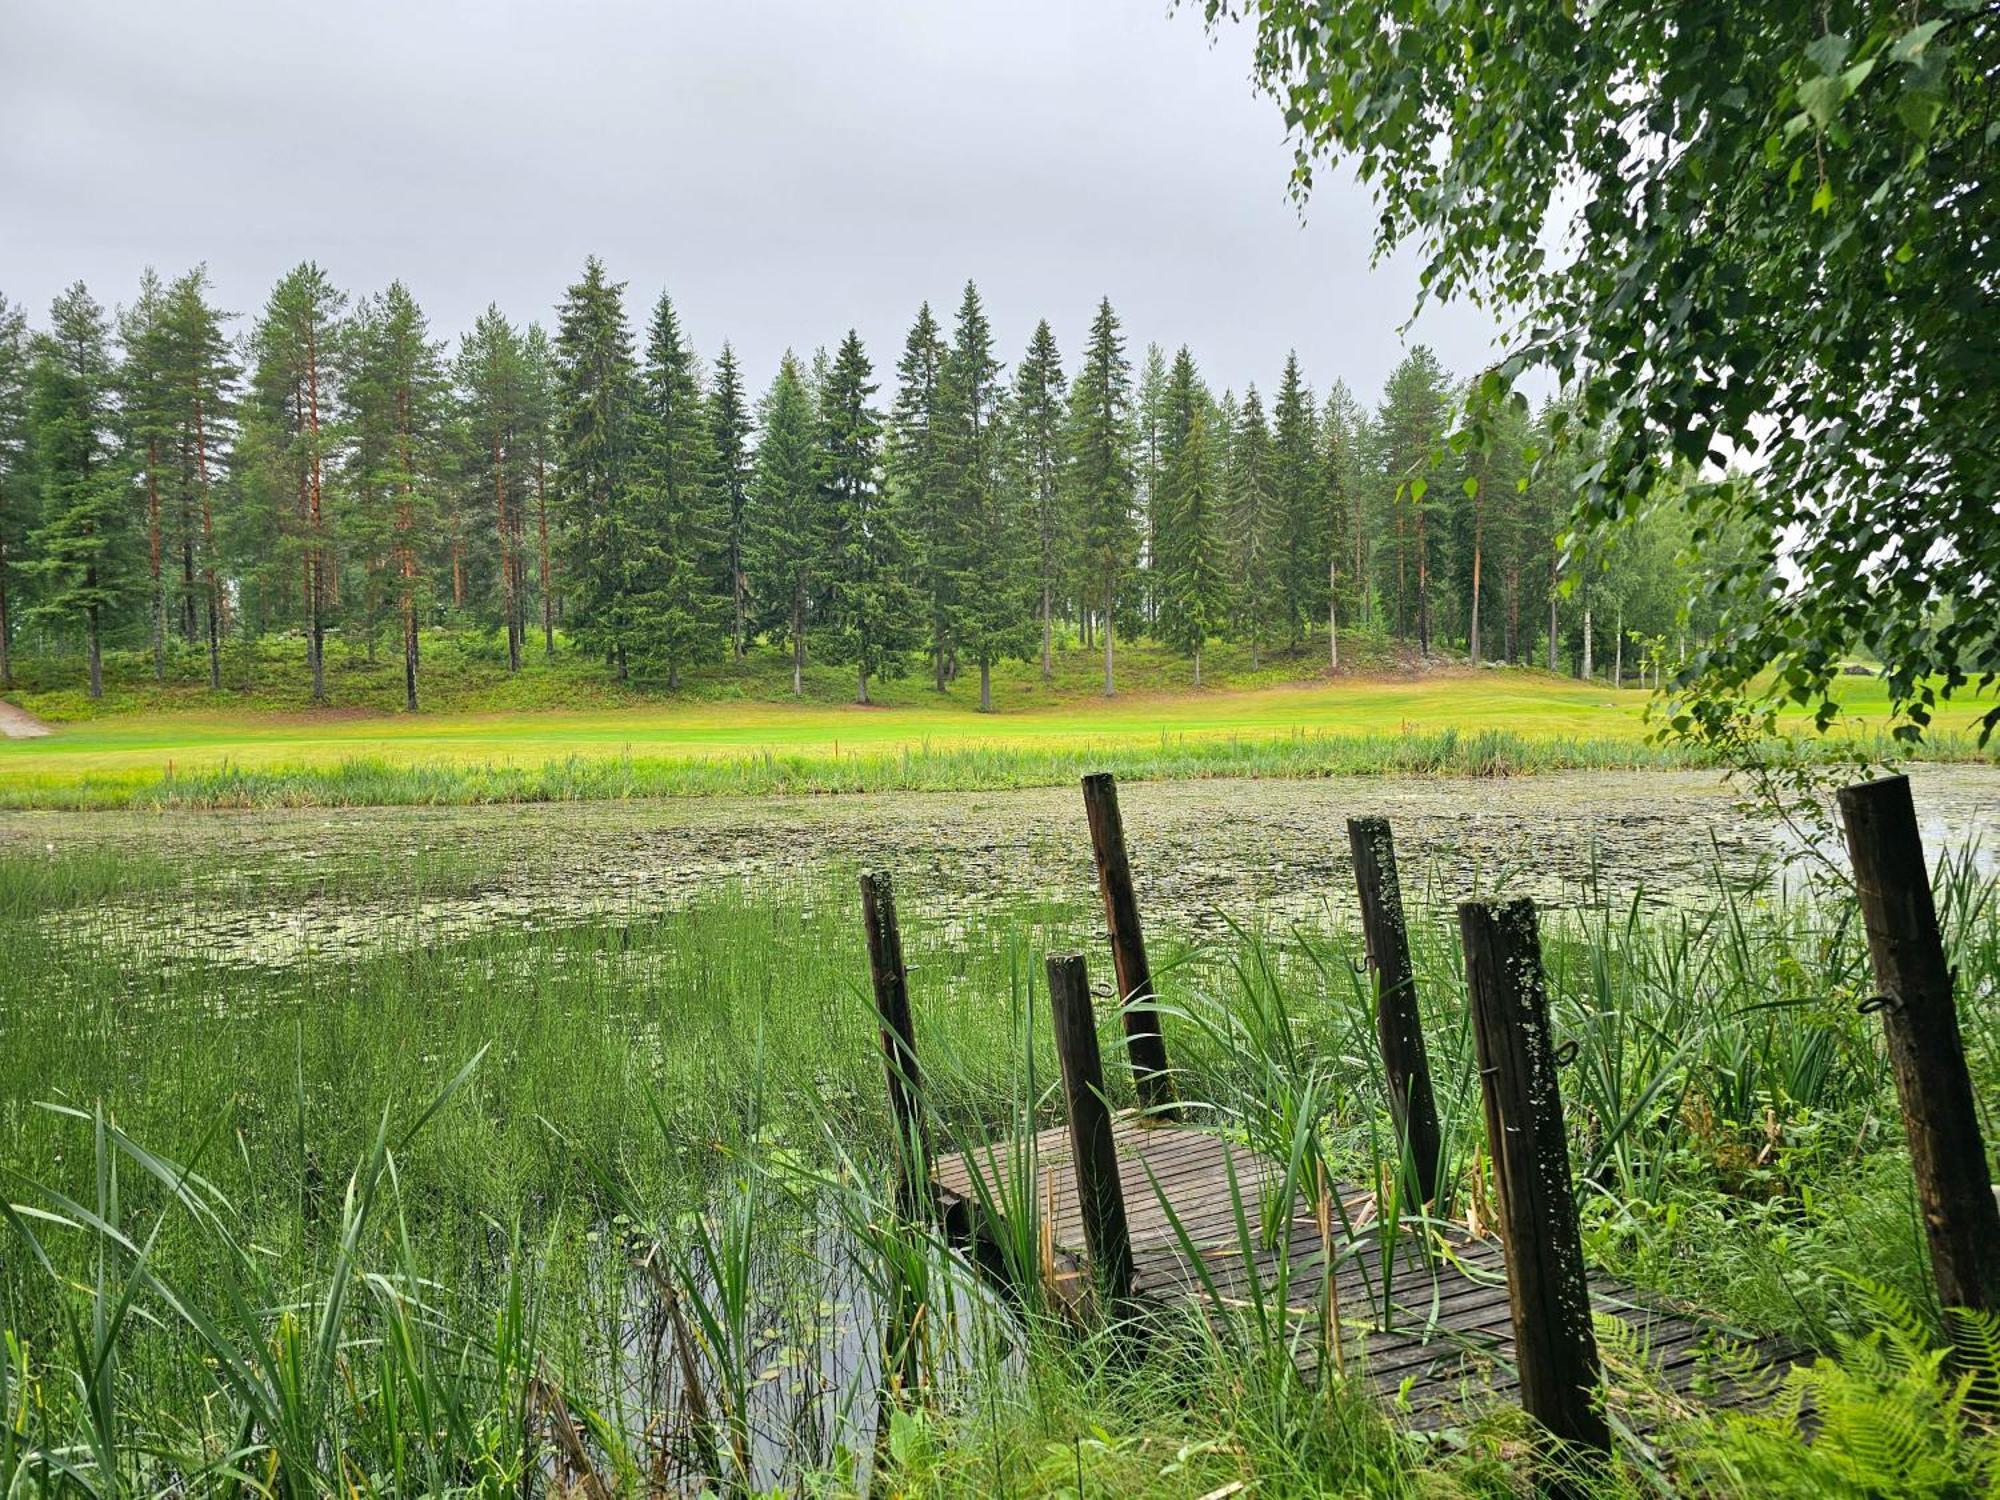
{"points": [[871, 609], [789, 522], [1100, 470], [1777, 229]]}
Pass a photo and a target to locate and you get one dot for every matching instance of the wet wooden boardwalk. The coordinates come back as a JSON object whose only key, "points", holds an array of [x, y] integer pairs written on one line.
{"points": [[1444, 1346]]}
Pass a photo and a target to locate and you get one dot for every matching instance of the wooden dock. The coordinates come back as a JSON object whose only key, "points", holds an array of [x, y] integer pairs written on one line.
{"points": [[1446, 1345]]}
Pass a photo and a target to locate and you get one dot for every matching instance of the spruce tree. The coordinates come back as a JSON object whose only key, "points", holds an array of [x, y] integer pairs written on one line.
{"points": [[16, 485], [917, 489], [730, 472], [1311, 522], [1408, 428], [871, 610], [1342, 427], [984, 541], [294, 443], [788, 530], [539, 398], [497, 460], [397, 413], [595, 437], [1151, 475], [1035, 431], [1256, 529], [79, 547], [1100, 471], [1194, 598], [683, 613]]}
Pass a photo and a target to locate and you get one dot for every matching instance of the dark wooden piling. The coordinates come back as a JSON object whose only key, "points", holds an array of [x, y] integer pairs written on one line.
{"points": [[1549, 1297], [1398, 1030], [1144, 1043], [1093, 1150], [899, 1043], [1926, 1050]]}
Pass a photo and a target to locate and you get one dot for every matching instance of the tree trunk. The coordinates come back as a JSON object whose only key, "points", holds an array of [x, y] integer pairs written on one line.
{"points": [[1048, 637], [1587, 664], [1618, 649], [6, 626], [985, 686], [1552, 615], [618, 659], [506, 559], [1423, 588], [542, 524], [861, 671], [96, 653], [1110, 686], [212, 585], [1197, 666], [1332, 624], [409, 649], [798, 647], [1473, 629], [159, 583]]}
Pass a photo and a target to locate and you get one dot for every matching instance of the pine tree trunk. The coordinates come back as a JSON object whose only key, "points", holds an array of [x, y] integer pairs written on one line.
{"points": [[1553, 580], [506, 559], [212, 585], [159, 583], [1332, 623], [737, 585], [1423, 589], [410, 650], [985, 687], [542, 525], [316, 568]]}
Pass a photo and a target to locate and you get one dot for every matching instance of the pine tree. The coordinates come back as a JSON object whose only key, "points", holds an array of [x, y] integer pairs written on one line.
{"points": [[16, 484], [296, 347], [730, 473], [497, 460], [539, 398], [917, 488], [1194, 597], [397, 412], [202, 377], [595, 438], [683, 614], [1036, 442], [1100, 470], [79, 547], [1256, 529], [871, 610], [145, 405], [788, 531]]}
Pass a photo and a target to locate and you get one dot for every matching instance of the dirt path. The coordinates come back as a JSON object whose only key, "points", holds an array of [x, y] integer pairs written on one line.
{"points": [[19, 724]]}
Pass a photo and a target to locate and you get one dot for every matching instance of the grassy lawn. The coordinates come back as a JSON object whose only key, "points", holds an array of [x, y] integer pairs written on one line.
{"points": [[490, 731]]}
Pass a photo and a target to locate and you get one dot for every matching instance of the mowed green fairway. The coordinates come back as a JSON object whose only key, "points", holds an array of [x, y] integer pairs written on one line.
{"points": [[1445, 718]]}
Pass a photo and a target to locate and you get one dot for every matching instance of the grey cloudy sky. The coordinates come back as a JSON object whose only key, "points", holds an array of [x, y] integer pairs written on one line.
{"points": [[785, 168]]}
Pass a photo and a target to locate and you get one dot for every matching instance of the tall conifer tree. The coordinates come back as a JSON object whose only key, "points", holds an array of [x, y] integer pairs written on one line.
{"points": [[683, 613], [202, 401], [916, 484], [871, 610], [495, 421], [730, 473], [1194, 588], [79, 547], [1256, 529], [595, 438], [1036, 433], [788, 531], [1100, 469], [16, 487]]}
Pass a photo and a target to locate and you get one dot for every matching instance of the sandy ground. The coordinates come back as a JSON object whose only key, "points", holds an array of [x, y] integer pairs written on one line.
{"points": [[19, 724]]}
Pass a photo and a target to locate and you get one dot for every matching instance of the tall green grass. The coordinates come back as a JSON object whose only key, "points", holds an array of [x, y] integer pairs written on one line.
{"points": [[609, 1205]]}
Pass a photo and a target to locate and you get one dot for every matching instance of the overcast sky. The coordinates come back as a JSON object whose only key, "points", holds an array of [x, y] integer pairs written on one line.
{"points": [[785, 168]]}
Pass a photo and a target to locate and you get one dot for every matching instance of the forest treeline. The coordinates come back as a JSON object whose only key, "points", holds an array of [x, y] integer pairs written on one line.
{"points": [[336, 468]]}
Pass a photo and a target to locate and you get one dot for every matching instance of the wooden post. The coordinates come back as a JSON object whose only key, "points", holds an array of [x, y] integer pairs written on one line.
{"points": [[1398, 1029], [1554, 1345], [1144, 1044], [1926, 1051], [899, 1043], [1093, 1149]]}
